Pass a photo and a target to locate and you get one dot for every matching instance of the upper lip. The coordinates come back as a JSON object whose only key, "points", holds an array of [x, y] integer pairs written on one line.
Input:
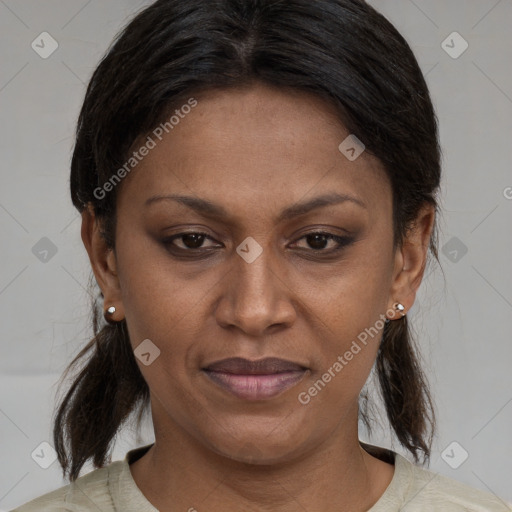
{"points": [[267, 366]]}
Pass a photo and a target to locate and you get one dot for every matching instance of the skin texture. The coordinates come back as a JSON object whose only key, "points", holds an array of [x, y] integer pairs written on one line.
{"points": [[256, 151]]}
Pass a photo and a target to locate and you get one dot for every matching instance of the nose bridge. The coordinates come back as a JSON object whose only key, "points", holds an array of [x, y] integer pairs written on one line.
{"points": [[258, 295], [254, 278]]}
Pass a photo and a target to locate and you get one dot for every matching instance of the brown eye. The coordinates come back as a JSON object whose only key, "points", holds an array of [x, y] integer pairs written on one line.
{"points": [[193, 240], [193, 243], [189, 241], [319, 241]]}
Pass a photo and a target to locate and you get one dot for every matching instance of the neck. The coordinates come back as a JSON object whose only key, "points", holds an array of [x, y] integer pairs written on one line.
{"points": [[178, 473]]}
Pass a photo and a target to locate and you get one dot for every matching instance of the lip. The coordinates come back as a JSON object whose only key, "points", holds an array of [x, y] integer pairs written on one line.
{"points": [[266, 366], [255, 380]]}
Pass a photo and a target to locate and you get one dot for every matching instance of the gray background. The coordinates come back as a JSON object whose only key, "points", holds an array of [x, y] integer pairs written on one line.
{"points": [[463, 322]]}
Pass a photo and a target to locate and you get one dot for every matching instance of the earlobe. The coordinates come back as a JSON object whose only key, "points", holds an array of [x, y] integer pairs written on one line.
{"points": [[102, 259], [411, 259]]}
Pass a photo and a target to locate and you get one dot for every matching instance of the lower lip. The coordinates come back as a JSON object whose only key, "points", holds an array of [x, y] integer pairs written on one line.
{"points": [[256, 387]]}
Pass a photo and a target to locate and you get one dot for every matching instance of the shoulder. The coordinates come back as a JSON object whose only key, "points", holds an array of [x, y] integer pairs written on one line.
{"points": [[88, 492], [428, 491]]}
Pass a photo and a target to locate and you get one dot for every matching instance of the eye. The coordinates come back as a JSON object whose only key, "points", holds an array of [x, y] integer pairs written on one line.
{"points": [[190, 241], [318, 241]]}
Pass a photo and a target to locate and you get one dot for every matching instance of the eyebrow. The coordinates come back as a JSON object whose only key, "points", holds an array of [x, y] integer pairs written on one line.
{"points": [[208, 208]]}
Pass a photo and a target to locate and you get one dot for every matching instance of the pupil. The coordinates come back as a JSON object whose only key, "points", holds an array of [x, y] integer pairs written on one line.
{"points": [[197, 240], [317, 239]]}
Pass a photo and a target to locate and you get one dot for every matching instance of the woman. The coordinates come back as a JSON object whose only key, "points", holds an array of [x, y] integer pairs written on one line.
{"points": [[257, 181]]}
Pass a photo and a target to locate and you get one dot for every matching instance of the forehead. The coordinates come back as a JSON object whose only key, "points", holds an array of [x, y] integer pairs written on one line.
{"points": [[257, 145]]}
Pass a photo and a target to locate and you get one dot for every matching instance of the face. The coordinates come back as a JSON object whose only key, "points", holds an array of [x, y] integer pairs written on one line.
{"points": [[254, 268]]}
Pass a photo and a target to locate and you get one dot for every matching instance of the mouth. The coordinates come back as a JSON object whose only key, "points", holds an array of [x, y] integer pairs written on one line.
{"points": [[255, 380]]}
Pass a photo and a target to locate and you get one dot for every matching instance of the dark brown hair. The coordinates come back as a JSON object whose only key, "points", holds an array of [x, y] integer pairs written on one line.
{"points": [[340, 50]]}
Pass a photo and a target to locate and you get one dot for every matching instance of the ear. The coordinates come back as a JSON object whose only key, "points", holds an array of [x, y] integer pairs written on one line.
{"points": [[103, 262], [411, 259]]}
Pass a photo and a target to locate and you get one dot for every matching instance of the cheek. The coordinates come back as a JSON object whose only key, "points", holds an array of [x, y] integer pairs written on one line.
{"points": [[350, 344], [159, 299], [347, 354], [352, 313], [354, 293]]}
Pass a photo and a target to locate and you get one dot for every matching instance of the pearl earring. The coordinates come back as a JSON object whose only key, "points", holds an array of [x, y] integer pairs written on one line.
{"points": [[400, 308], [397, 306], [108, 314]]}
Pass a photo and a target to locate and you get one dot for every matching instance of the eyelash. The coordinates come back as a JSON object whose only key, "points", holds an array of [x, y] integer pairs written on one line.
{"points": [[342, 241]]}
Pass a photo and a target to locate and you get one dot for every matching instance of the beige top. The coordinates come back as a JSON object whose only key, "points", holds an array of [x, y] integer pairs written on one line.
{"points": [[412, 489]]}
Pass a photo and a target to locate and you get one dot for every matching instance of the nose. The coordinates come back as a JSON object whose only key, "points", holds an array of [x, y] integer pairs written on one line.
{"points": [[256, 297]]}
